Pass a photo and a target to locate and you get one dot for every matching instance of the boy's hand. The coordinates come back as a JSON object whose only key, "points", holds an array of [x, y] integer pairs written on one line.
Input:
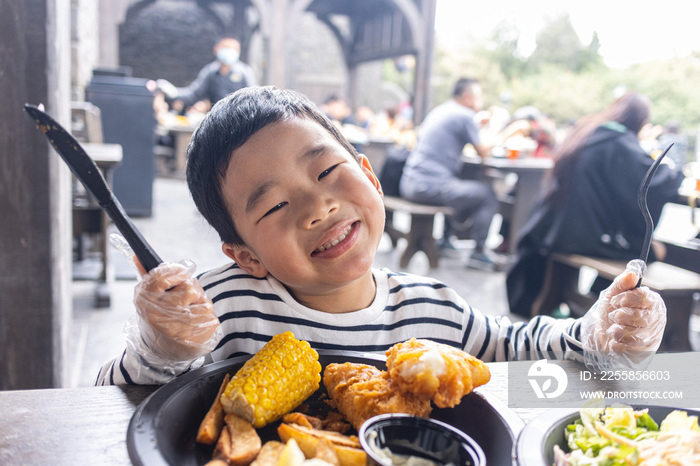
{"points": [[625, 318], [177, 319]]}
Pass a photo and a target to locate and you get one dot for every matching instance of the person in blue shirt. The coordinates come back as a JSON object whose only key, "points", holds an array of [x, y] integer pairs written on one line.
{"points": [[432, 174]]}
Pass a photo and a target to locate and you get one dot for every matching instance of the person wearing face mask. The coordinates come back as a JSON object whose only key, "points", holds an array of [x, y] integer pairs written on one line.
{"points": [[215, 81]]}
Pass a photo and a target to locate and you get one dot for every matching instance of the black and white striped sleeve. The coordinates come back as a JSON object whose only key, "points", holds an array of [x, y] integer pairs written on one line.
{"points": [[496, 338]]}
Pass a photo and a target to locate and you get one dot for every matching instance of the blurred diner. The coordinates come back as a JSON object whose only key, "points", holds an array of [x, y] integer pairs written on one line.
{"points": [[529, 125], [226, 74], [589, 202], [432, 174]]}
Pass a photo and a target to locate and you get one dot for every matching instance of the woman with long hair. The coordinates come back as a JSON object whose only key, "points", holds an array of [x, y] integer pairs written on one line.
{"points": [[589, 202]]}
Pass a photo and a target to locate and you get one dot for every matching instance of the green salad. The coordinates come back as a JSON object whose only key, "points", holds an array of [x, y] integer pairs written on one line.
{"points": [[621, 436]]}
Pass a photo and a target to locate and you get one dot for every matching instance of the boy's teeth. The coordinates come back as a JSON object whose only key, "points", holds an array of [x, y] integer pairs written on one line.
{"points": [[335, 240]]}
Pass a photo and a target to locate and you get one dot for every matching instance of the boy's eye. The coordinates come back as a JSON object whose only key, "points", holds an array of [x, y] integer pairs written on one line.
{"points": [[275, 209], [327, 171]]}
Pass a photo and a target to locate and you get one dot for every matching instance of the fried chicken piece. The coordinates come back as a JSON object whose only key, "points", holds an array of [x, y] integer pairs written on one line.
{"points": [[336, 422], [435, 371], [361, 391]]}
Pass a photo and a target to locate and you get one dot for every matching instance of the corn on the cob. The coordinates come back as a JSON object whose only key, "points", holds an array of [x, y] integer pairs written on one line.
{"points": [[277, 379]]}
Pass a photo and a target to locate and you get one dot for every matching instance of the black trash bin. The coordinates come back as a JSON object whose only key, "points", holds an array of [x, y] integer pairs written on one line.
{"points": [[128, 119]]}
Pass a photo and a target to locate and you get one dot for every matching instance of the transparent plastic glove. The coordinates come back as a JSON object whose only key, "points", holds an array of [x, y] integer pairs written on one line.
{"points": [[625, 326], [175, 323]]}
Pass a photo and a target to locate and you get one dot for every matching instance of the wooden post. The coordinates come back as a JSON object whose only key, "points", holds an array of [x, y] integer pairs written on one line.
{"points": [[424, 64], [276, 62], [35, 248]]}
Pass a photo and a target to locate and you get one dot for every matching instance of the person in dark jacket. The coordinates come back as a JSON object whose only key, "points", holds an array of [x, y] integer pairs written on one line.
{"points": [[589, 204], [216, 80]]}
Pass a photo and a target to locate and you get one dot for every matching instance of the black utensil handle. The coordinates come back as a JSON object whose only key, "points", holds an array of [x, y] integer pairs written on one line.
{"points": [[642, 201], [145, 253]]}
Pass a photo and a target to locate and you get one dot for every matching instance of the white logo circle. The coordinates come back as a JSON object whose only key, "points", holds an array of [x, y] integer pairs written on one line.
{"points": [[548, 372]]}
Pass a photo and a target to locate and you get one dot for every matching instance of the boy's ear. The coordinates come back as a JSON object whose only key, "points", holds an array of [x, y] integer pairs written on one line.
{"points": [[367, 169], [245, 259]]}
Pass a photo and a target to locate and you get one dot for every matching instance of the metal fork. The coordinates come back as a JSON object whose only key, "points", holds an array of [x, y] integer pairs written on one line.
{"points": [[642, 201]]}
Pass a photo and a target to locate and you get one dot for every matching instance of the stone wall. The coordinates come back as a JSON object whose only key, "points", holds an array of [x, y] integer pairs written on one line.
{"points": [[169, 39], [173, 39]]}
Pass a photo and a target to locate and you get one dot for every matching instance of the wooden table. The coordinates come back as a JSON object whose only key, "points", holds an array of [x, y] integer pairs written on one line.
{"points": [[89, 425], [68, 426], [375, 150], [516, 206], [182, 135], [683, 250]]}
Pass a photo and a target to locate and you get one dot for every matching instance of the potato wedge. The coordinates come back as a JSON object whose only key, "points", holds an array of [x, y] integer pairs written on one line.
{"points": [[223, 446], [302, 420], [210, 428], [326, 452], [217, 462], [347, 448], [239, 442], [269, 454]]}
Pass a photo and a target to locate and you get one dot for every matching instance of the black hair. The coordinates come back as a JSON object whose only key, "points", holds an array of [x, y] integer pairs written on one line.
{"points": [[230, 123], [463, 85]]}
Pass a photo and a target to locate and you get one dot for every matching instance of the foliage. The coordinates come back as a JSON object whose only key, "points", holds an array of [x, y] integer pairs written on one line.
{"points": [[558, 44], [672, 87], [566, 79]]}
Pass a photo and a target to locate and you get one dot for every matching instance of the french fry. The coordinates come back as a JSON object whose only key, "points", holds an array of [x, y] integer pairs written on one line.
{"points": [[348, 449], [269, 454], [210, 428]]}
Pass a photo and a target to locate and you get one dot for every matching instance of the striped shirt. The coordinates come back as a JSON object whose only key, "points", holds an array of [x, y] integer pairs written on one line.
{"points": [[252, 310]]}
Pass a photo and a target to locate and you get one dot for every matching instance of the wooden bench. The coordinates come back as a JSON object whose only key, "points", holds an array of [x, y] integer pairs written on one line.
{"points": [[420, 236], [675, 285]]}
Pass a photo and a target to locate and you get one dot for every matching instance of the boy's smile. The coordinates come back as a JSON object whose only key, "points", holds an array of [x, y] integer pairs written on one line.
{"points": [[338, 244], [309, 214]]}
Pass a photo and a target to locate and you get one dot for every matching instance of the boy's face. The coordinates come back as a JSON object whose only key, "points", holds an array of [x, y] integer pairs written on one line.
{"points": [[308, 213]]}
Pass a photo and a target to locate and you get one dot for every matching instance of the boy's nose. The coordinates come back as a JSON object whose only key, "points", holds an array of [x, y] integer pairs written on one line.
{"points": [[317, 210]]}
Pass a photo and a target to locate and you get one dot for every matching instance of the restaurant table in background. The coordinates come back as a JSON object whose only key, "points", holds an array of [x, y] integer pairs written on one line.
{"points": [[517, 202], [683, 241], [689, 192], [375, 150], [89, 425], [181, 129]]}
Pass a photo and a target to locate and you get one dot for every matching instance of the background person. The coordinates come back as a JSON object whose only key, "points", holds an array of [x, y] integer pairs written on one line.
{"points": [[215, 81], [432, 172], [529, 122], [590, 205]]}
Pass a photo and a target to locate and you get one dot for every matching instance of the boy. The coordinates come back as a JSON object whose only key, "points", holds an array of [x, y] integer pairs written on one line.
{"points": [[300, 213]]}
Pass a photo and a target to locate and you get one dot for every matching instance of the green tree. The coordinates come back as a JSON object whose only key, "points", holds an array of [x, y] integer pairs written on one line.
{"points": [[557, 43], [502, 50]]}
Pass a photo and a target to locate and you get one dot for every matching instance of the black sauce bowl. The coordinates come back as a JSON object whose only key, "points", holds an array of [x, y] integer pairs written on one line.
{"points": [[404, 434]]}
